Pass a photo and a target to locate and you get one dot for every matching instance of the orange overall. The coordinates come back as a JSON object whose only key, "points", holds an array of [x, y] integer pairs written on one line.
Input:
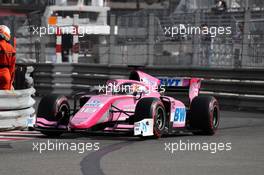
{"points": [[7, 65]]}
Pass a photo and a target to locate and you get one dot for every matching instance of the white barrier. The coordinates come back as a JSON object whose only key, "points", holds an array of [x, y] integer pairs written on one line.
{"points": [[16, 107]]}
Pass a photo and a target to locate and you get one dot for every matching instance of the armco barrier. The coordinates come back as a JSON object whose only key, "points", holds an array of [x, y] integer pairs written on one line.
{"points": [[15, 107], [235, 88]]}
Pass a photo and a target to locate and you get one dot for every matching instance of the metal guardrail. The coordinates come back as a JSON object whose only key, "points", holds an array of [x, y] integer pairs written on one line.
{"points": [[235, 88]]}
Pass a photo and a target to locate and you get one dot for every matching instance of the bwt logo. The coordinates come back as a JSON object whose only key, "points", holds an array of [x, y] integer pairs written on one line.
{"points": [[180, 115], [170, 81]]}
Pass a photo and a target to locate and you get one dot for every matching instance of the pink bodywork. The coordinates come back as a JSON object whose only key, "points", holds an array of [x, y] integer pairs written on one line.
{"points": [[96, 110], [194, 88]]}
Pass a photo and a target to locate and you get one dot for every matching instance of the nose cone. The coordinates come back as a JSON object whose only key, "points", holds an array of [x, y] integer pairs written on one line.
{"points": [[93, 112]]}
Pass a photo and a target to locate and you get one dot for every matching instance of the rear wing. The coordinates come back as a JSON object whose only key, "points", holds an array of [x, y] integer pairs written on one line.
{"points": [[178, 87], [181, 87]]}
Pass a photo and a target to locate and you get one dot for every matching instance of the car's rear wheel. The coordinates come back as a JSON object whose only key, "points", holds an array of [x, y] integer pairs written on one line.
{"points": [[204, 115], [54, 108], [152, 108]]}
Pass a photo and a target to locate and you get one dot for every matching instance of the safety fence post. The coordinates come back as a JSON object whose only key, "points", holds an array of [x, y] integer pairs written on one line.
{"points": [[196, 44], [75, 44], [112, 39], [151, 39], [246, 35]]}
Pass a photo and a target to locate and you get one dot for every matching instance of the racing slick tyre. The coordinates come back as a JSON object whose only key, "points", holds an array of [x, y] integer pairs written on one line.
{"points": [[204, 115], [152, 108], [54, 108]]}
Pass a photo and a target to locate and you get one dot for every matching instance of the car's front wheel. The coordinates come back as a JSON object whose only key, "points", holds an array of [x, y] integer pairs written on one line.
{"points": [[152, 108], [54, 108]]}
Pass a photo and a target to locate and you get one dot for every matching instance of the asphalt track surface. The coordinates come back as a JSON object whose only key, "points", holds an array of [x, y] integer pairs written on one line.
{"points": [[125, 155]]}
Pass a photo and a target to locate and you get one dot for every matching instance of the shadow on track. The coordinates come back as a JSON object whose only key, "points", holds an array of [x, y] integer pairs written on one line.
{"points": [[90, 165]]}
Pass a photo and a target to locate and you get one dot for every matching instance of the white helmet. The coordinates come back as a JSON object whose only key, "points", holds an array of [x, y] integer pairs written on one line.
{"points": [[5, 32]]}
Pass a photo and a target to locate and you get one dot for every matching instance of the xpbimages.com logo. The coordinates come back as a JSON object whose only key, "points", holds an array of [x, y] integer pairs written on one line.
{"points": [[181, 29], [56, 145], [81, 31], [130, 89], [212, 147]]}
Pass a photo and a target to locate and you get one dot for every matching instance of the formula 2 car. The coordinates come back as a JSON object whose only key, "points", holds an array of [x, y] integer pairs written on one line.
{"points": [[135, 105]]}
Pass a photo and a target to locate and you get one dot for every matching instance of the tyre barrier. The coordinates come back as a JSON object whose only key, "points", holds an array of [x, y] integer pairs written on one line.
{"points": [[16, 107]]}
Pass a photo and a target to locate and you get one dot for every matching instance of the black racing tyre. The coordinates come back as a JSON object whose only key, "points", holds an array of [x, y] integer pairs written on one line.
{"points": [[54, 108], [204, 115], [152, 108]]}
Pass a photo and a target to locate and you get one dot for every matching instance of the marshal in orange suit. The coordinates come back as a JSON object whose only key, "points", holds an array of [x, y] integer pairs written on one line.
{"points": [[7, 59]]}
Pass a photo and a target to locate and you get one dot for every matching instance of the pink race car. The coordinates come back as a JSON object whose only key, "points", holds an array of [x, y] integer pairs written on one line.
{"points": [[136, 105]]}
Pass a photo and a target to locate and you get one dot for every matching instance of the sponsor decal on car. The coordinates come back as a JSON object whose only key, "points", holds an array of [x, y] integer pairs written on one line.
{"points": [[175, 82], [179, 117], [148, 82], [144, 127], [94, 103]]}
